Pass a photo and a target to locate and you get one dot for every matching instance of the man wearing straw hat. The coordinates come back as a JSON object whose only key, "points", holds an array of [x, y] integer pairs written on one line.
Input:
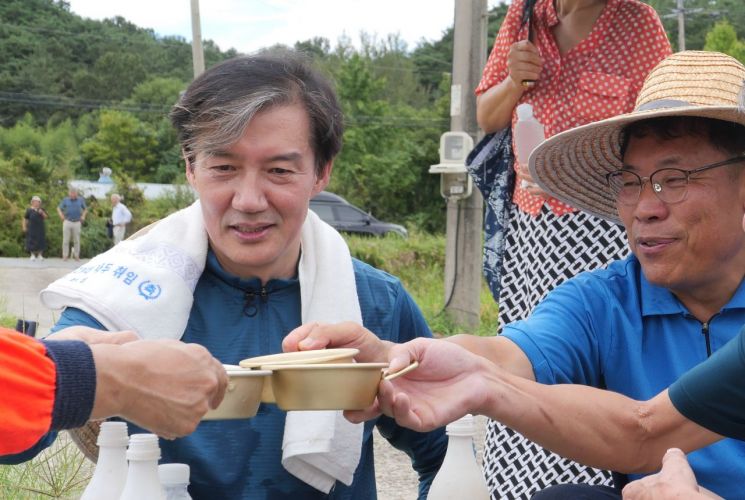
{"points": [[672, 173]]}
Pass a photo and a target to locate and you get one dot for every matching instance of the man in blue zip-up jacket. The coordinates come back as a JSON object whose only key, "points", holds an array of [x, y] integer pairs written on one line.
{"points": [[259, 135]]}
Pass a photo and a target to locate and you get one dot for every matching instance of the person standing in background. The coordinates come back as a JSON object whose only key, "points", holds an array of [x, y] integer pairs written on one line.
{"points": [[120, 217], [34, 228], [72, 211], [571, 60]]}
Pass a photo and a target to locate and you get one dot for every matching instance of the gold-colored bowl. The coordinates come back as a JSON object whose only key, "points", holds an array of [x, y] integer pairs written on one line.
{"points": [[243, 394], [299, 357], [326, 386]]}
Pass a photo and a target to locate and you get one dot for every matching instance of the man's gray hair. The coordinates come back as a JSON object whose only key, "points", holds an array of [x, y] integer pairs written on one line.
{"points": [[216, 108]]}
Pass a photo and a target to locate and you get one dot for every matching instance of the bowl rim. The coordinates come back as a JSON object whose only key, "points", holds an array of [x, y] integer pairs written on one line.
{"points": [[325, 366], [249, 373], [237, 371], [286, 358]]}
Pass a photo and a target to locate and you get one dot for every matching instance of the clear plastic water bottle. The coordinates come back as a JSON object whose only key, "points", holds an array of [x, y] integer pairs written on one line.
{"points": [[528, 133], [142, 475], [175, 480], [111, 467], [460, 475]]}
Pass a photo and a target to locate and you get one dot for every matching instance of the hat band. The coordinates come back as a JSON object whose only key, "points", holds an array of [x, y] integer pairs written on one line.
{"points": [[662, 103]]}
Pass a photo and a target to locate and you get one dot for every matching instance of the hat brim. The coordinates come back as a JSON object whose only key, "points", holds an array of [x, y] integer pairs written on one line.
{"points": [[571, 166]]}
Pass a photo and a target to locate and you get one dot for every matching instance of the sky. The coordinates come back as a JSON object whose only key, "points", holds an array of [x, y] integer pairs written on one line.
{"points": [[248, 25]]}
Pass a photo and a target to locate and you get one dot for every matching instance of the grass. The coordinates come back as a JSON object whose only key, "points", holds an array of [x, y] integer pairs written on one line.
{"points": [[6, 320], [61, 471], [419, 262]]}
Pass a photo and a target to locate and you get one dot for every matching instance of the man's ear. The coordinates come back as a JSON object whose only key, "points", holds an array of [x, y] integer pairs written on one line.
{"points": [[323, 180], [188, 160]]}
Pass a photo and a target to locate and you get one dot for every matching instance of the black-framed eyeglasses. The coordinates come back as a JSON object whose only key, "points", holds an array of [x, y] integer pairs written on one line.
{"points": [[670, 185]]}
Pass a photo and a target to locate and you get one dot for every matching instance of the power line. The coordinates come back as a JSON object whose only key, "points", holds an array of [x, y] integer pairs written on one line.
{"points": [[57, 101]]}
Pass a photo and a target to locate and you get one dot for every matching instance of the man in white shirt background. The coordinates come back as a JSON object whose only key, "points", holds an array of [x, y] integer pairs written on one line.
{"points": [[120, 217]]}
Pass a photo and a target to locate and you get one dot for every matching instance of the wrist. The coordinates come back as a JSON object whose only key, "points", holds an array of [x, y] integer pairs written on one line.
{"points": [[111, 387], [497, 393], [383, 349], [515, 86]]}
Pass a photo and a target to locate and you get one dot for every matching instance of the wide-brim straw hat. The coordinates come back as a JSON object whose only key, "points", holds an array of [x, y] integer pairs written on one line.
{"points": [[572, 165]]}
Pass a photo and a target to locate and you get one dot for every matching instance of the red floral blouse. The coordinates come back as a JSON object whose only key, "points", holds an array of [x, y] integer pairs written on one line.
{"points": [[597, 79]]}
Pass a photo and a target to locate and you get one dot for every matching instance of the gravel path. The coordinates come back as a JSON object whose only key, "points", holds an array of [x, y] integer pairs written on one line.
{"points": [[22, 279]]}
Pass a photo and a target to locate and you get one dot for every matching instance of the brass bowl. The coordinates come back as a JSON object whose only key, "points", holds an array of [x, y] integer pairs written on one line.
{"points": [[299, 357], [243, 394], [326, 386]]}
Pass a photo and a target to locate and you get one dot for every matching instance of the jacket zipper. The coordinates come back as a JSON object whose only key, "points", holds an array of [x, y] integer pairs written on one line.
{"points": [[705, 332], [250, 308]]}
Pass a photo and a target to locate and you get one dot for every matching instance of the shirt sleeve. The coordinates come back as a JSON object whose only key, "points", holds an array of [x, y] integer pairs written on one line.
{"points": [[45, 386], [559, 337], [510, 31], [76, 317], [712, 394]]}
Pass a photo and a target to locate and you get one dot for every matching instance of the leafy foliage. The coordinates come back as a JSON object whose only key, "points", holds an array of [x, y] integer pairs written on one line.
{"points": [[700, 18], [723, 38], [77, 95]]}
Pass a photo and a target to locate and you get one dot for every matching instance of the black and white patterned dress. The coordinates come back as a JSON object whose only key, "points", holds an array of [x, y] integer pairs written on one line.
{"points": [[541, 253]]}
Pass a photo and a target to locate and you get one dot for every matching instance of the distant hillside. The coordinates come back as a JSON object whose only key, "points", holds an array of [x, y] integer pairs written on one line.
{"points": [[55, 63]]}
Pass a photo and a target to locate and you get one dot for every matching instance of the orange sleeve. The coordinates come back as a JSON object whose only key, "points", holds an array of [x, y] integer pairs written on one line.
{"points": [[27, 390]]}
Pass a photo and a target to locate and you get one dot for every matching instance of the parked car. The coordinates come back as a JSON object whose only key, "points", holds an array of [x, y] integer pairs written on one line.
{"points": [[345, 217]]}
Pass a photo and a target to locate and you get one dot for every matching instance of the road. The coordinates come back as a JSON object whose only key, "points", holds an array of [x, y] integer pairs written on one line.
{"points": [[21, 280]]}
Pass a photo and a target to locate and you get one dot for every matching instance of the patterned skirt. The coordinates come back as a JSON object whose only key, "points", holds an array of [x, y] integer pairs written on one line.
{"points": [[541, 252]]}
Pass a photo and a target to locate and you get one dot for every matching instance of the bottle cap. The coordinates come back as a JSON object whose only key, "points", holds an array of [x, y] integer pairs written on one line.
{"points": [[461, 427], [173, 474], [112, 434], [143, 447], [524, 111]]}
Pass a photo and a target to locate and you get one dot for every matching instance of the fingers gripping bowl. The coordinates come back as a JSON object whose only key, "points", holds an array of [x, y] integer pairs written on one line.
{"points": [[242, 396]]}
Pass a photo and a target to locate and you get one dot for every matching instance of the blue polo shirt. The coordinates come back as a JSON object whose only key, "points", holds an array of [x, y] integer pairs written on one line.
{"points": [[612, 328], [73, 209], [713, 393]]}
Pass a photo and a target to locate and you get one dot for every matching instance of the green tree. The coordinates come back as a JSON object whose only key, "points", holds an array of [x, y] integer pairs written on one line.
{"points": [[123, 143], [700, 19], [383, 164], [723, 38]]}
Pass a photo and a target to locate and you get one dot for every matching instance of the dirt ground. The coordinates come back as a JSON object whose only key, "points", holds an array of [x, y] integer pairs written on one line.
{"points": [[20, 283]]}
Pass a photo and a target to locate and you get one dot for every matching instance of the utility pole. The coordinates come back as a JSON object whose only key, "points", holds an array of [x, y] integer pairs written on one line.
{"points": [[681, 26], [680, 13], [197, 54], [464, 237]]}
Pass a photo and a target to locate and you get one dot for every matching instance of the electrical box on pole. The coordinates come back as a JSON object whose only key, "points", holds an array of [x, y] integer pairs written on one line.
{"points": [[464, 237], [455, 183]]}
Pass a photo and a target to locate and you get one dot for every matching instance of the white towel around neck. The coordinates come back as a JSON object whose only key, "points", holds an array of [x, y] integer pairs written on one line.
{"points": [[146, 284]]}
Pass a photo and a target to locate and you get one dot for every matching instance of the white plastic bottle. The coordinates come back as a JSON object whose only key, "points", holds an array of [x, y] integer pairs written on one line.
{"points": [[460, 475], [142, 475], [528, 133], [175, 481], [111, 467]]}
